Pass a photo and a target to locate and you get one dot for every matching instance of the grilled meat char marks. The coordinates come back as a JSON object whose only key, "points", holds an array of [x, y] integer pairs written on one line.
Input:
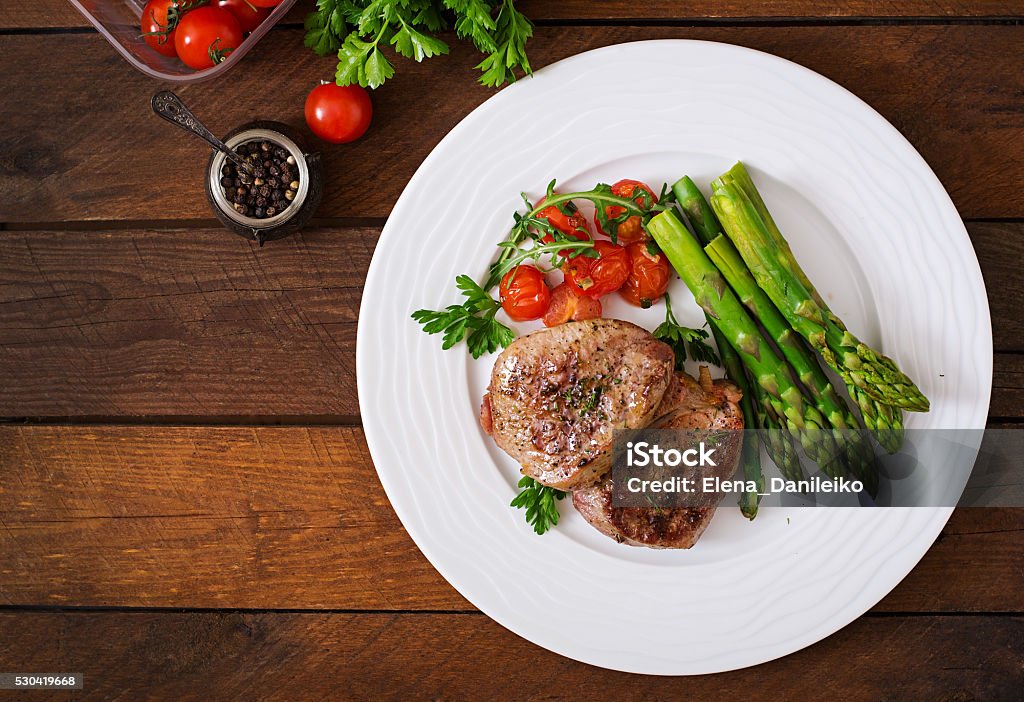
{"points": [[557, 395], [703, 405]]}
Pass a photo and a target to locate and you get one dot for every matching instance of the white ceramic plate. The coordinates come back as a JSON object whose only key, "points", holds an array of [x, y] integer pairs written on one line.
{"points": [[868, 220]]}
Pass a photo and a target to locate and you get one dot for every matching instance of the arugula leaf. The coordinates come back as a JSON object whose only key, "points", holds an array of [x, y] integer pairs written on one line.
{"points": [[512, 31], [681, 338], [539, 502], [473, 321]]}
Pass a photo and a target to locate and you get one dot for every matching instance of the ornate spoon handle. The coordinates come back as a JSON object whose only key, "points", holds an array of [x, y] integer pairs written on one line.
{"points": [[169, 106]]}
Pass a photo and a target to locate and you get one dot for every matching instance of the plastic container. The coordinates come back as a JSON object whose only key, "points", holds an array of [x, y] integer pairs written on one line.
{"points": [[118, 21]]}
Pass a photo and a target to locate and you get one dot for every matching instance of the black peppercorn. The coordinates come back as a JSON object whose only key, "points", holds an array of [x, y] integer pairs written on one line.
{"points": [[268, 186]]}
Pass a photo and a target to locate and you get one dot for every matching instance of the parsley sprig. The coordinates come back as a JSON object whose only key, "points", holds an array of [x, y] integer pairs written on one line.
{"points": [[361, 30], [539, 501], [682, 338], [473, 321]]}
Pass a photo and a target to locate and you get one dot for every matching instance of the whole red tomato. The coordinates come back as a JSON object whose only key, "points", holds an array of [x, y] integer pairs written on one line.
{"points": [[338, 113], [157, 30], [648, 275], [630, 230], [248, 14], [205, 36], [568, 304], [595, 277], [524, 293]]}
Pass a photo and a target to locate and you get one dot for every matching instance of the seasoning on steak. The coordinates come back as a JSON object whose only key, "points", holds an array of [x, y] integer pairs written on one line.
{"points": [[701, 405], [557, 395]]}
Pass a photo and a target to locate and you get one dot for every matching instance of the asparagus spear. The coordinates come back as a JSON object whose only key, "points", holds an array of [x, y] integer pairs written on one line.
{"points": [[884, 421], [767, 369], [847, 430], [858, 364], [751, 457], [698, 210]]}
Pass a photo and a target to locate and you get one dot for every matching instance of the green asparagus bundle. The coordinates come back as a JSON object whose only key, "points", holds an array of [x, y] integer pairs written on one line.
{"points": [[723, 254], [768, 371], [751, 457], [874, 380], [858, 454]]}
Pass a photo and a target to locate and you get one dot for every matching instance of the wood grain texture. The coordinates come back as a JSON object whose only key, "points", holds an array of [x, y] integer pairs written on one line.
{"points": [[28, 14], [424, 656], [201, 323], [940, 85], [294, 517]]}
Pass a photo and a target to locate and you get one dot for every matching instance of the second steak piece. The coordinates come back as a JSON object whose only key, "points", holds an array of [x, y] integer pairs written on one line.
{"points": [[557, 395]]}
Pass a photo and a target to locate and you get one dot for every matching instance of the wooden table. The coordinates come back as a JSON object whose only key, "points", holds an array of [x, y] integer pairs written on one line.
{"points": [[188, 506]]}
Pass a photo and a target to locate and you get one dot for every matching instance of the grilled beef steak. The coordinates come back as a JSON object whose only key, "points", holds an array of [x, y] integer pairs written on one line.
{"points": [[557, 395], [699, 405]]}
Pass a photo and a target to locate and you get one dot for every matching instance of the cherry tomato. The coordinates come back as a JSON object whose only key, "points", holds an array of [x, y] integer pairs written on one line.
{"points": [[156, 29], [648, 276], [338, 113], [524, 293], [574, 225], [249, 16], [630, 230], [265, 3], [567, 304], [599, 276], [206, 35]]}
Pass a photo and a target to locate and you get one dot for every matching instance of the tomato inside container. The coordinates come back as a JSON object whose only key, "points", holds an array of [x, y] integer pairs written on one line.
{"points": [[119, 22]]}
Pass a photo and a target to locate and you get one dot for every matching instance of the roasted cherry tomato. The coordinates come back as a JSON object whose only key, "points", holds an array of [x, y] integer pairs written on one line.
{"points": [[265, 3], [157, 30], [524, 293], [630, 230], [599, 276], [574, 224], [205, 36], [249, 16], [338, 113], [648, 275], [567, 304]]}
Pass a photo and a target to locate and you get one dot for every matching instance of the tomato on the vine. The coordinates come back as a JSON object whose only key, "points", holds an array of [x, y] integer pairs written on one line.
{"points": [[568, 304], [156, 28], [595, 277], [338, 113], [630, 230], [524, 293], [248, 14], [649, 275], [205, 36]]}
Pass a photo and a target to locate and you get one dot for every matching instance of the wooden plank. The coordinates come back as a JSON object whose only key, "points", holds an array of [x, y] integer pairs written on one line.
{"points": [[435, 656], [294, 517], [105, 157], [180, 322], [28, 14], [204, 517], [201, 323]]}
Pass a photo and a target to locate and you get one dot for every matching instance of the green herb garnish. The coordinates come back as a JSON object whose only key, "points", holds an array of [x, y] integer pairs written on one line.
{"points": [[473, 321], [539, 502], [682, 338]]}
